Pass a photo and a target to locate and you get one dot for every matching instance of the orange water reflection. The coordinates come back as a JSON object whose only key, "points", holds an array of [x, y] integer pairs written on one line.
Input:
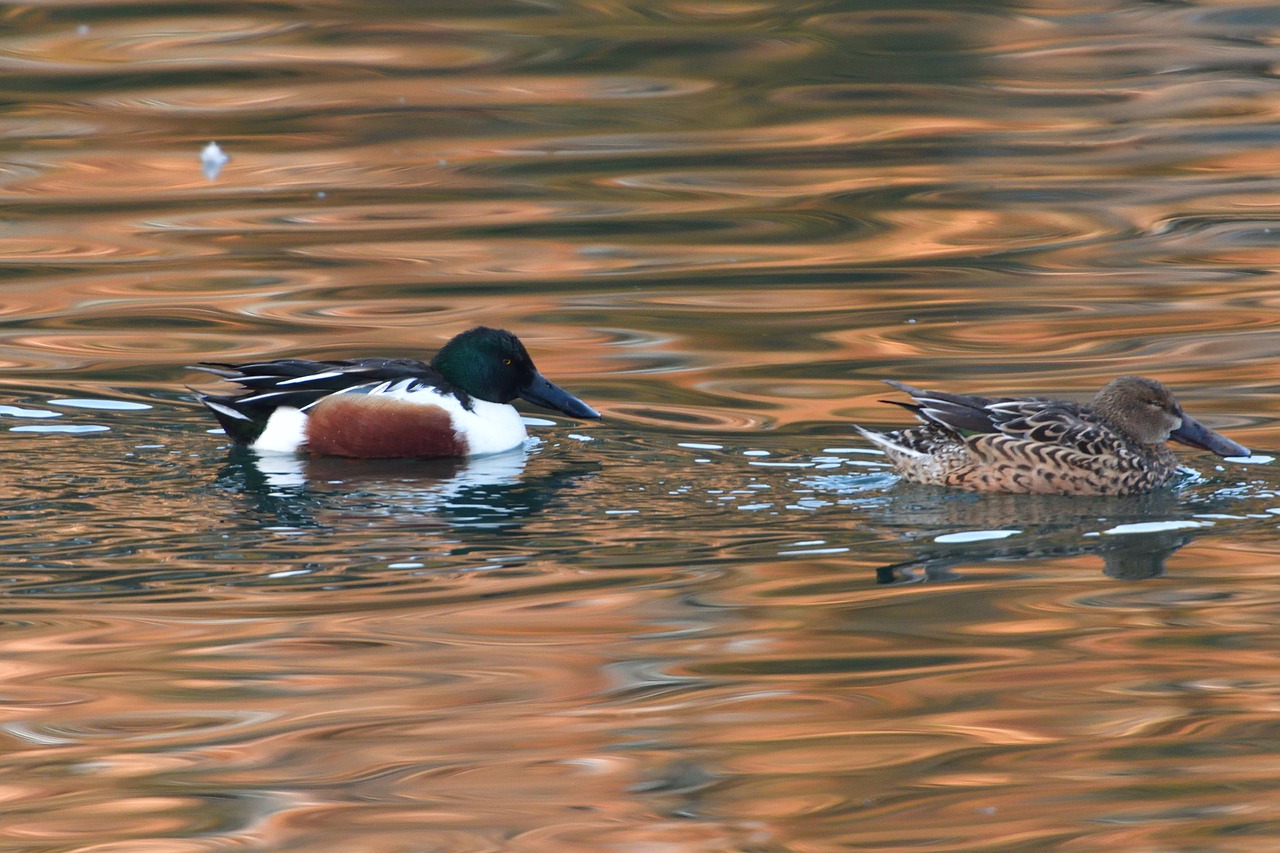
{"points": [[711, 621]]}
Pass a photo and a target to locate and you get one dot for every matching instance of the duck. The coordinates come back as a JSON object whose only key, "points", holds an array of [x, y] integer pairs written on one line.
{"points": [[1116, 444], [456, 405]]}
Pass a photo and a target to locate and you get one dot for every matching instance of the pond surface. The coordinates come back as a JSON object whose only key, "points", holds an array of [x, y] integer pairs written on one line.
{"points": [[714, 620]]}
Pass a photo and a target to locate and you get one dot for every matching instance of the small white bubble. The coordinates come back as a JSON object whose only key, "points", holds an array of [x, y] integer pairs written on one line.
{"points": [[212, 159]]}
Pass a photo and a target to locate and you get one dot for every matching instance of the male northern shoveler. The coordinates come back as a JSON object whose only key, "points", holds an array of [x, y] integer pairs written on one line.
{"points": [[390, 407], [1114, 445]]}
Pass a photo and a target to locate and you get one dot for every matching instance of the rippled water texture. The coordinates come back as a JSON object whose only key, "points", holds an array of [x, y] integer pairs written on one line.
{"points": [[714, 620]]}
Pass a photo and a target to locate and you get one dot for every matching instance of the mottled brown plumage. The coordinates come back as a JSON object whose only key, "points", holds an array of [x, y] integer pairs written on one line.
{"points": [[1114, 445]]}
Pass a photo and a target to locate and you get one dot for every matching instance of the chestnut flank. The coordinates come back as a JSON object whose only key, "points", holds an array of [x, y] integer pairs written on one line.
{"points": [[374, 427]]}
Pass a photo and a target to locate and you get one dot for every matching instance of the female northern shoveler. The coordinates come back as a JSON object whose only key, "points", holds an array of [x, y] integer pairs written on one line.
{"points": [[1114, 445], [390, 407]]}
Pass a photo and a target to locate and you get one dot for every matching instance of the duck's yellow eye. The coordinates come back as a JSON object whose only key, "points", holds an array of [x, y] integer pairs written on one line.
{"points": [[506, 361]]}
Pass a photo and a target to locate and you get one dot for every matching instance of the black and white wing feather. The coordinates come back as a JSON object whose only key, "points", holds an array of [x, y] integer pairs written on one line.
{"points": [[299, 383]]}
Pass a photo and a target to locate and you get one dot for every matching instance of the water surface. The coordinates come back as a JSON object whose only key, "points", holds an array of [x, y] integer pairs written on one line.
{"points": [[713, 620]]}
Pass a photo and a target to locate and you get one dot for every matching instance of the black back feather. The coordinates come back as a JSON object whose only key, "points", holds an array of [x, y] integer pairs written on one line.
{"points": [[298, 383]]}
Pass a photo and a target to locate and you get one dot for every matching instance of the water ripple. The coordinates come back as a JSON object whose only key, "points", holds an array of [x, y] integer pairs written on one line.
{"points": [[712, 620]]}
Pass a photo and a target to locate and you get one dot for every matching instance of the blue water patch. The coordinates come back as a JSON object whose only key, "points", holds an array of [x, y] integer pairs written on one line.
{"points": [[18, 412], [1154, 527], [60, 428], [102, 405], [976, 535]]}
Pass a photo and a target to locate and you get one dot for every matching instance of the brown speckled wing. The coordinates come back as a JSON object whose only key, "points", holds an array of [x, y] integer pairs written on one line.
{"points": [[1063, 425]]}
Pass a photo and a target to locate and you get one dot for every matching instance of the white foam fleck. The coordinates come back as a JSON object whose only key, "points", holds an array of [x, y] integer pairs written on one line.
{"points": [[693, 445], [1255, 459]]}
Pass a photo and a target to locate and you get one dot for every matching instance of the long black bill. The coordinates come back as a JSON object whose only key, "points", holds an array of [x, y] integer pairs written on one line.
{"points": [[1196, 434], [540, 392]]}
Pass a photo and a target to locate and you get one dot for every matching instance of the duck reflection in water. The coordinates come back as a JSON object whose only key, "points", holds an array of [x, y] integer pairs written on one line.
{"points": [[1046, 527], [1114, 445], [482, 491]]}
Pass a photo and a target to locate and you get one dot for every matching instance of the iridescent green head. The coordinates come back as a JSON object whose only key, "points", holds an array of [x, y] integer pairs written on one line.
{"points": [[492, 365]]}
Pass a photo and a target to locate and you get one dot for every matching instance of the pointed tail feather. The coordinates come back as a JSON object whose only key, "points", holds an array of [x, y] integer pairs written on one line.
{"points": [[226, 371], [886, 442], [239, 426], [952, 411]]}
